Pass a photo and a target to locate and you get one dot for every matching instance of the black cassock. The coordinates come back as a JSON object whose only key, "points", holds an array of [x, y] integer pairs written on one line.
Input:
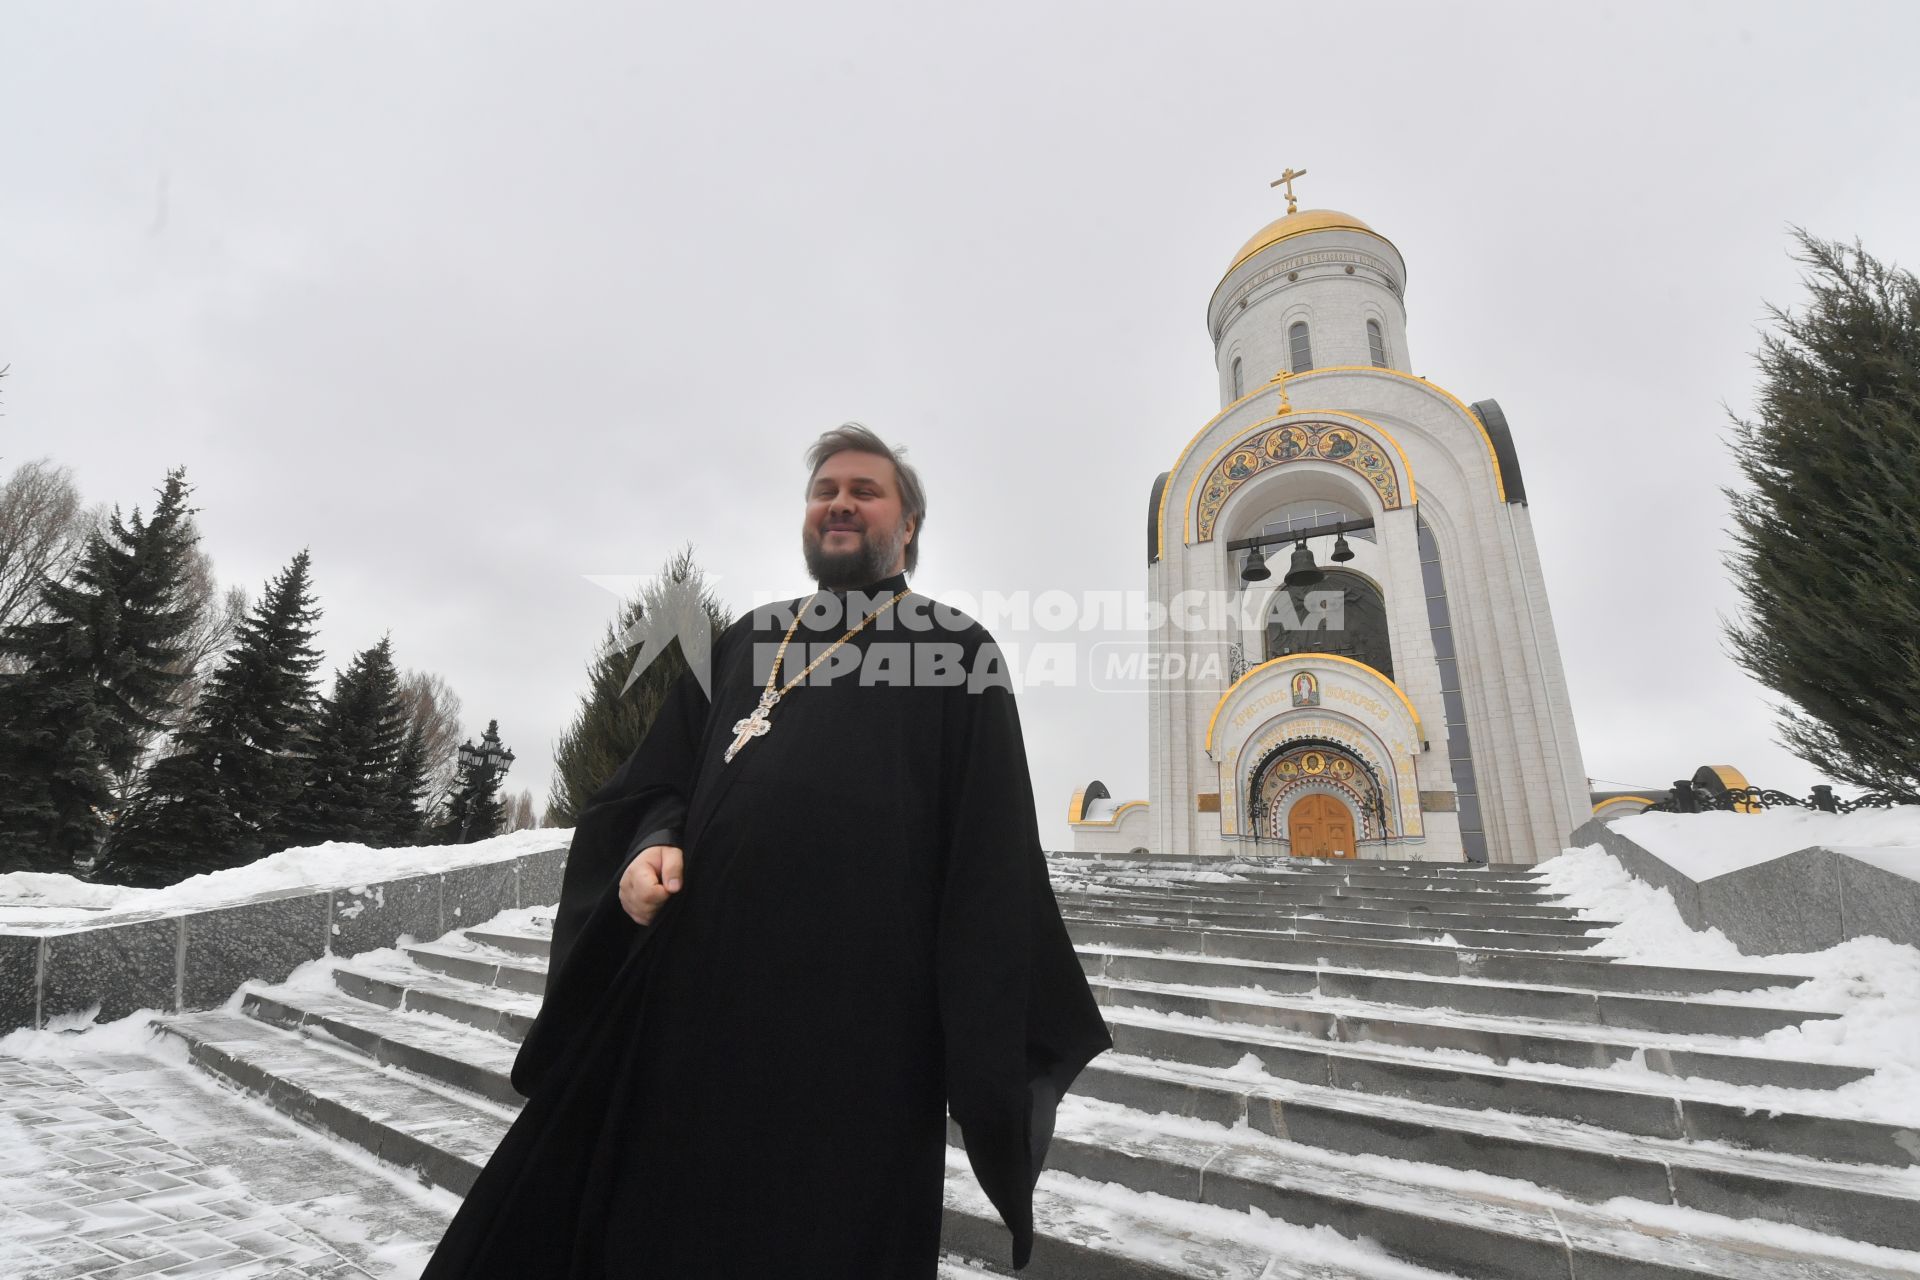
{"points": [[757, 1083]]}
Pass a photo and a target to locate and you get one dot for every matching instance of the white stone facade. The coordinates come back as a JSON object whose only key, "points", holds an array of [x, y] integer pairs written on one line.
{"points": [[1354, 437]]}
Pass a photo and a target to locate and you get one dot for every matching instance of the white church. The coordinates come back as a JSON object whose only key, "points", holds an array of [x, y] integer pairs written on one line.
{"points": [[1433, 723]]}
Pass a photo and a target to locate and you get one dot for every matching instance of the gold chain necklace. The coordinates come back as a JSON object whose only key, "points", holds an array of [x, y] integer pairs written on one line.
{"points": [[757, 724]]}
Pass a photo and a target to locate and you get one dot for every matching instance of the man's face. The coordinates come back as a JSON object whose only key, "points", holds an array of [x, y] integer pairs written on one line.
{"points": [[854, 532]]}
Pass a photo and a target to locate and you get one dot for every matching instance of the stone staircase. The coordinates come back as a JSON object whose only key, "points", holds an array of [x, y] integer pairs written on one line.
{"points": [[1421, 1059]]}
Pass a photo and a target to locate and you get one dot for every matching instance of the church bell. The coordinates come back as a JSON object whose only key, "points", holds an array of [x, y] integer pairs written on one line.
{"points": [[1304, 572]]}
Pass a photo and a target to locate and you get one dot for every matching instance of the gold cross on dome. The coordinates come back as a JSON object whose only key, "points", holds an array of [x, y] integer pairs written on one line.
{"points": [[1279, 381], [1288, 178]]}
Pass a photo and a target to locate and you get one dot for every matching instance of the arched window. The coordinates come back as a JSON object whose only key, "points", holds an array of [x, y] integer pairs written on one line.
{"points": [[1299, 348], [1306, 514], [1237, 391], [1357, 629], [1376, 344]]}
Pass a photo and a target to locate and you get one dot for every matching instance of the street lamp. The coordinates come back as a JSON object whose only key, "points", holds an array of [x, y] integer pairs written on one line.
{"points": [[480, 764]]}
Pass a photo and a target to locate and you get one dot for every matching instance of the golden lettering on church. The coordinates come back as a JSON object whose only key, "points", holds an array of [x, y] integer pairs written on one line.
{"points": [[1372, 706]]}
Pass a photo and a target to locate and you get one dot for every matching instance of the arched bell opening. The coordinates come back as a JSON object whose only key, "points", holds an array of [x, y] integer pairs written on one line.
{"points": [[1344, 613]]}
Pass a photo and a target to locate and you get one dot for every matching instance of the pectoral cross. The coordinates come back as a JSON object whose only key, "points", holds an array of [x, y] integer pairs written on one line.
{"points": [[1288, 178], [750, 727]]}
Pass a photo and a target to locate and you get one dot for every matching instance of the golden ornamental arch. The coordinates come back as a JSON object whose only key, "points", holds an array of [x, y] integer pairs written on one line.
{"points": [[1276, 446], [1297, 767]]}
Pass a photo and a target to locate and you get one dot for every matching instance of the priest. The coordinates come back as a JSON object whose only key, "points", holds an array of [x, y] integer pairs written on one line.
{"points": [[806, 920]]}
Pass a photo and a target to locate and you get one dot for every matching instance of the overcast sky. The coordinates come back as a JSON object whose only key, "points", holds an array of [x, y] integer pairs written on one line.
{"points": [[479, 300]]}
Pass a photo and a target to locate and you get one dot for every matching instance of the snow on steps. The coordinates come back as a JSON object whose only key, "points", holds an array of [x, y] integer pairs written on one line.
{"points": [[445, 1138], [1581, 1160], [1363, 1105]]}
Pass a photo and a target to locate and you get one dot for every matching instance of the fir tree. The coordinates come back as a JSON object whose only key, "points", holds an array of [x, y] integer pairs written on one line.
{"points": [[610, 723], [352, 754], [1827, 533], [213, 803], [406, 786], [97, 668]]}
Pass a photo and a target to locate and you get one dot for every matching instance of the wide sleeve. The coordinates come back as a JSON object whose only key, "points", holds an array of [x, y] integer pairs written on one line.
{"points": [[1018, 1017], [665, 823], [647, 796]]}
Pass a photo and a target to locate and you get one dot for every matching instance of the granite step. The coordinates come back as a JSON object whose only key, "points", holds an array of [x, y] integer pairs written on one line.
{"points": [[1487, 1228], [1575, 1159], [1585, 1162], [1625, 1102], [1346, 924], [1316, 900], [1282, 866], [1460, 882], [1088, 1230], [505, 1012], [1590, 972], [1319, 889], [1499, 1039], [441, 1135], [458, 1055], [1533, 920], [488, 968], [1471, 994]]}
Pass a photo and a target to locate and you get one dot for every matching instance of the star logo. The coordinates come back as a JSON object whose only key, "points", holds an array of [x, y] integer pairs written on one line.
{"points": [[669, 608]]}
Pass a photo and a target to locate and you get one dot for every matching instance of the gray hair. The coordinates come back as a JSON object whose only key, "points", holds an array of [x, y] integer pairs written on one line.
{"points": [[856, 436]]}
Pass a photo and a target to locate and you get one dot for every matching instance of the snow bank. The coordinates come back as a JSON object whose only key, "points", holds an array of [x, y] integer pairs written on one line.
{"points": [[41, 898], [1873, 984], [1704, 845]]}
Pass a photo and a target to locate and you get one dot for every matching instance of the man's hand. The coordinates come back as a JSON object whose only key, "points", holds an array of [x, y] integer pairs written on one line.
{"points": [[650, 878]]}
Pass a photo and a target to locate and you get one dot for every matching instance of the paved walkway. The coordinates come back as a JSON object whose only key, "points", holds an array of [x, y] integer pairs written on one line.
{"points": [[121, 1165]]}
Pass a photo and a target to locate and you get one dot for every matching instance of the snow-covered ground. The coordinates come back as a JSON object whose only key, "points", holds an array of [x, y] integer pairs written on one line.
{"points": [[1705, 845], [45, 898], [1873, 984]]}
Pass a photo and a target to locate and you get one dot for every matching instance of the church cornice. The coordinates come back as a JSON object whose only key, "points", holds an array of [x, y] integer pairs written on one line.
{"points": [[1467, 414], [1111, 820], [1223, 311]]}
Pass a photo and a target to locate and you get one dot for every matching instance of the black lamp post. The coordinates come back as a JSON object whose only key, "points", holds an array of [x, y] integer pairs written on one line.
{"points": [[480, 765]]}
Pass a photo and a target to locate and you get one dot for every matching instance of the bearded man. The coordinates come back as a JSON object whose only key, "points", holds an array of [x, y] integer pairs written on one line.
{"points": [[804, 922]]}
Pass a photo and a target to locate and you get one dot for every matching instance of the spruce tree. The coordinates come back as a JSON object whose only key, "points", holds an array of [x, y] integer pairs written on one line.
{"points": [[214, 802], [352, 754], [1827, 532], [610, 723], [405, 823], [97, 667]]}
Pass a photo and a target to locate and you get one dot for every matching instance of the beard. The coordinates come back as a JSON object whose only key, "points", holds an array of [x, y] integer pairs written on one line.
{"points": [[856, 567]]}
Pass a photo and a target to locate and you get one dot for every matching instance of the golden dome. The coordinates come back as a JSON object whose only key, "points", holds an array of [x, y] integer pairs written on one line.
{"points": [[1298, 224]]}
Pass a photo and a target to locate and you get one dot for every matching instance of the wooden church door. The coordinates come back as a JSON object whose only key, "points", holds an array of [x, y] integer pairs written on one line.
{"points": [[1319, 826]]}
